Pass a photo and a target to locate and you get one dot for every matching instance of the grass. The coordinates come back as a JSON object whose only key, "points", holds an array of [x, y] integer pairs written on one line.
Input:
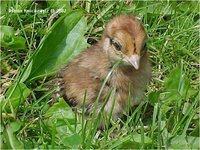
{"points": [[168, 118]]}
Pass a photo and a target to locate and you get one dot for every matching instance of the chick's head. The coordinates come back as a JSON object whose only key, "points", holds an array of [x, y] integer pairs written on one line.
{"points": [[125, 39]]}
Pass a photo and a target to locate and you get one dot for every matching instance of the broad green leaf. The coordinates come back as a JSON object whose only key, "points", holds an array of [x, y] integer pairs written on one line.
{"points": [[130, 144], [132, 141], [193, 142], [8, 39], [6, 30], [175, 80], [177, 85], [27, 72], [61, 110], [186, 142], [6, 33], [72, 141], [59, 115], [61, 120], [19, 43], [15, 126], [16, 95], [64, 41], [10, 140], [119, 142], [137, 138]]}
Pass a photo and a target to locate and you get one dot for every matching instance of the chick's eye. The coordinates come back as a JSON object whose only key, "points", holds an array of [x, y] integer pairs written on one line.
{"points": [[116, 44]]}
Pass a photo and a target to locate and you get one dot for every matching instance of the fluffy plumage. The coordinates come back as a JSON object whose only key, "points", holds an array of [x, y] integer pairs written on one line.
{"points": [[124, 39]]}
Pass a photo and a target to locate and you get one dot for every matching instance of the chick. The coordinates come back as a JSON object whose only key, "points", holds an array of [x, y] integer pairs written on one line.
{"points": [[124, 40]]}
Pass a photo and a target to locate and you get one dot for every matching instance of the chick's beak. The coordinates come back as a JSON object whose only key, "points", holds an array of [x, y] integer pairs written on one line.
{"points": [[135, 61]]}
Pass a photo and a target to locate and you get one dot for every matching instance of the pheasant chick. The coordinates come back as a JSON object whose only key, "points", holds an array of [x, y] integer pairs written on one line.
{"points": [[124, 40]]}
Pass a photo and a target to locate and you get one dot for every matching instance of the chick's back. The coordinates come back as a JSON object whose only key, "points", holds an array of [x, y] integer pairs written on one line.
{"points": [[85, 75]]}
